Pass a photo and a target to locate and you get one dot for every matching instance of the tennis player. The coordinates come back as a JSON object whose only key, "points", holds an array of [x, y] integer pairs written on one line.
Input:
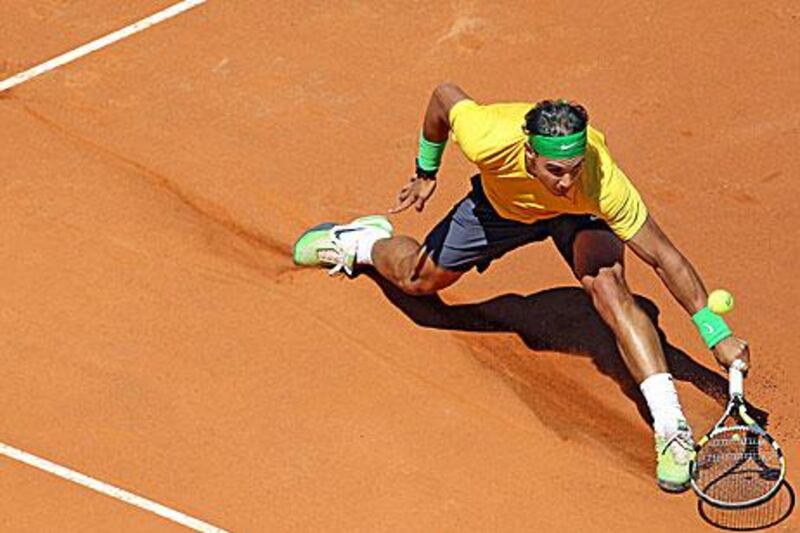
{"points": [[543, 173]]}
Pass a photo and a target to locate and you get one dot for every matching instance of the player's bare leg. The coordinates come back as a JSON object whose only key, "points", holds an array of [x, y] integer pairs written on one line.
{"points": [[367, 241], [403, 261], [599, 267]]}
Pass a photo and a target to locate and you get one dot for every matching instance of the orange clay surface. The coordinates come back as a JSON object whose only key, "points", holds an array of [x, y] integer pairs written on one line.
{"points": [[155, 334]]}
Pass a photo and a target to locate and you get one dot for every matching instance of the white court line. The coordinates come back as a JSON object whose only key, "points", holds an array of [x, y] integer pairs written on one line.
{"points": [[44, 464], [97, 44], [108, 490]]}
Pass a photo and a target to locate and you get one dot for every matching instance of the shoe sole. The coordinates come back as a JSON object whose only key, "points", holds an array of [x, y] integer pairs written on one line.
{"points": [[672, 487]]}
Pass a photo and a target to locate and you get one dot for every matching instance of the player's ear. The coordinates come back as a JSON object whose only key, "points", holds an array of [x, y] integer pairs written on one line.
{"points": [[529, 151], [528, 147]]}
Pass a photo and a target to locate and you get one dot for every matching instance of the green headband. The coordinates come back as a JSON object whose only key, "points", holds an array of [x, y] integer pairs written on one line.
{"points": [[565, 147]]}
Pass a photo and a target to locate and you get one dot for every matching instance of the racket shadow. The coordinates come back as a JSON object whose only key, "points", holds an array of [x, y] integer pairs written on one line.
{"points": [[761, 516], [562, 320]]}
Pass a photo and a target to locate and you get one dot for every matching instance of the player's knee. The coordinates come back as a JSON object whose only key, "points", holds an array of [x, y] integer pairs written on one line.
{"points": [[416, 288], [607, 288], [428, 283]]}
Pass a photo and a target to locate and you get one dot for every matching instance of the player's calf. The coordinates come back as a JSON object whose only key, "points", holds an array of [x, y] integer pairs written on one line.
{"points": [[641, 350], [369, 241], [403, 261]]}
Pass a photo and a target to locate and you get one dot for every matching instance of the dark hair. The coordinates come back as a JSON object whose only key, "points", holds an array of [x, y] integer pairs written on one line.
{"points": [[556, 118]]}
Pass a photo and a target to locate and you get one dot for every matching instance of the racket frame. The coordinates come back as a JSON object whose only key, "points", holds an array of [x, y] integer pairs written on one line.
{"points": [[736, 408]]}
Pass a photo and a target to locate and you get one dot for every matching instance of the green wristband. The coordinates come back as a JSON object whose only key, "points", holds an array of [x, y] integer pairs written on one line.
{"points": [[430, 154], [711, 326]]}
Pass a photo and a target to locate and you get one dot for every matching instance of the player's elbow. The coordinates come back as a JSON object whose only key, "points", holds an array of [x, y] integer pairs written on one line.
{"points": [[446, 95], [445, 88]]}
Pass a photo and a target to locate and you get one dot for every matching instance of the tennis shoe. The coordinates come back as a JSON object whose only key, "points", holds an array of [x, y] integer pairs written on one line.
{"points": [[335, 246], [674, 454]]}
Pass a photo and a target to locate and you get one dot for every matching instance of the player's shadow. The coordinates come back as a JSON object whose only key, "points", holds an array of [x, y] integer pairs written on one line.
{"points": [[561, 320]]}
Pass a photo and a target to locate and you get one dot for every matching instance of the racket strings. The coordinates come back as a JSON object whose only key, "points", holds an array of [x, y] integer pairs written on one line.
{"points": [[737, 465]]}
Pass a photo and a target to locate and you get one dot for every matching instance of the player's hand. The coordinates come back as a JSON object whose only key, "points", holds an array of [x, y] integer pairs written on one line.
{"points": [[416, 192], [731, 349]]}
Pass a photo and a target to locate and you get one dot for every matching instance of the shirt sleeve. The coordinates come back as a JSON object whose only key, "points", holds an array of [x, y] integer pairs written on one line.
{"points": [[621, 205], [471, 128]]}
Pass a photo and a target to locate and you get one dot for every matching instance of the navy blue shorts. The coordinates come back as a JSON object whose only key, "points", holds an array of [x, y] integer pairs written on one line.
{"points": [[473, 234]]}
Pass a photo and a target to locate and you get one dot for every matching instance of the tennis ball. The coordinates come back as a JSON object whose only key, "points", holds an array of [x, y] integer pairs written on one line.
{"points": [[736, 437], [720, 301]]}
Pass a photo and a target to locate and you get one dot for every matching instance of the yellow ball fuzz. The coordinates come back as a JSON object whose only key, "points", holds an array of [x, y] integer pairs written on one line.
{"points": [[720, 301]]}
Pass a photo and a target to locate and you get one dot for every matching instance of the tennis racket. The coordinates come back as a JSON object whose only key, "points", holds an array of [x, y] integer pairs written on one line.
{"points": [[737, 464]]}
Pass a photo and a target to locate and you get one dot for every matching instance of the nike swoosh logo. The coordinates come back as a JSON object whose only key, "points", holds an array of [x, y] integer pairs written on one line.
{"points": [[339, 232], [568, 146], [709, 328]]}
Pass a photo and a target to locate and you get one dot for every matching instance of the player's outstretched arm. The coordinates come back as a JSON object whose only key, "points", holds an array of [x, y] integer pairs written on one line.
{"points": [[679, 276], [654, 248], [433, 137], [436, 125]]}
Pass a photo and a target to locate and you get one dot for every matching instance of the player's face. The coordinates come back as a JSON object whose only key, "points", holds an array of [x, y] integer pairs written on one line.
{"points": [[558, 175]]}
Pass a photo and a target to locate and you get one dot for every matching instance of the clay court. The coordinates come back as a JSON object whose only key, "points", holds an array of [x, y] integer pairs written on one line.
{"points": [[158, 338]]}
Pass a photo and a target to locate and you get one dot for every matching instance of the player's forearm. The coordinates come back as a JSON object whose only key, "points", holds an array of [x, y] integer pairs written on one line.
{"points": [[436, 128], [682, 280]]}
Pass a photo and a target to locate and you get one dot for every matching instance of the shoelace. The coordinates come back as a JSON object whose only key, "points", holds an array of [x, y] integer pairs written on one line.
{"points": [[682, 439], [338, 270], [335, 256]]}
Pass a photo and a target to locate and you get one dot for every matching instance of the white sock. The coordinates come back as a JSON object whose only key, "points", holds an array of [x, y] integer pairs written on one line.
{"points": [[365, 244], [662, 399]]}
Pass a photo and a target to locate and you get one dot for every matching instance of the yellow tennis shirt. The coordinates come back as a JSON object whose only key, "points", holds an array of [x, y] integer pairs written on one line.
{"points": [[491, 136]]}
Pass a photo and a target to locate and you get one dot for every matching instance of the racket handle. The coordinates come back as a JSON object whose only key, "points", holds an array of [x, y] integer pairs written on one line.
{"points": [[736, 379]]}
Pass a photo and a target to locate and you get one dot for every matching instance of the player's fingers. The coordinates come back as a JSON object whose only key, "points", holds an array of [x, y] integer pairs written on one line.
{"points": [[402, 196], [402, 205], [744, 356], [419, 205]]}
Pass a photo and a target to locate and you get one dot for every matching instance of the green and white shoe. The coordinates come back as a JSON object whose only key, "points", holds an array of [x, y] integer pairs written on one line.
{"points": [[334, 246], [674, 453]]}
